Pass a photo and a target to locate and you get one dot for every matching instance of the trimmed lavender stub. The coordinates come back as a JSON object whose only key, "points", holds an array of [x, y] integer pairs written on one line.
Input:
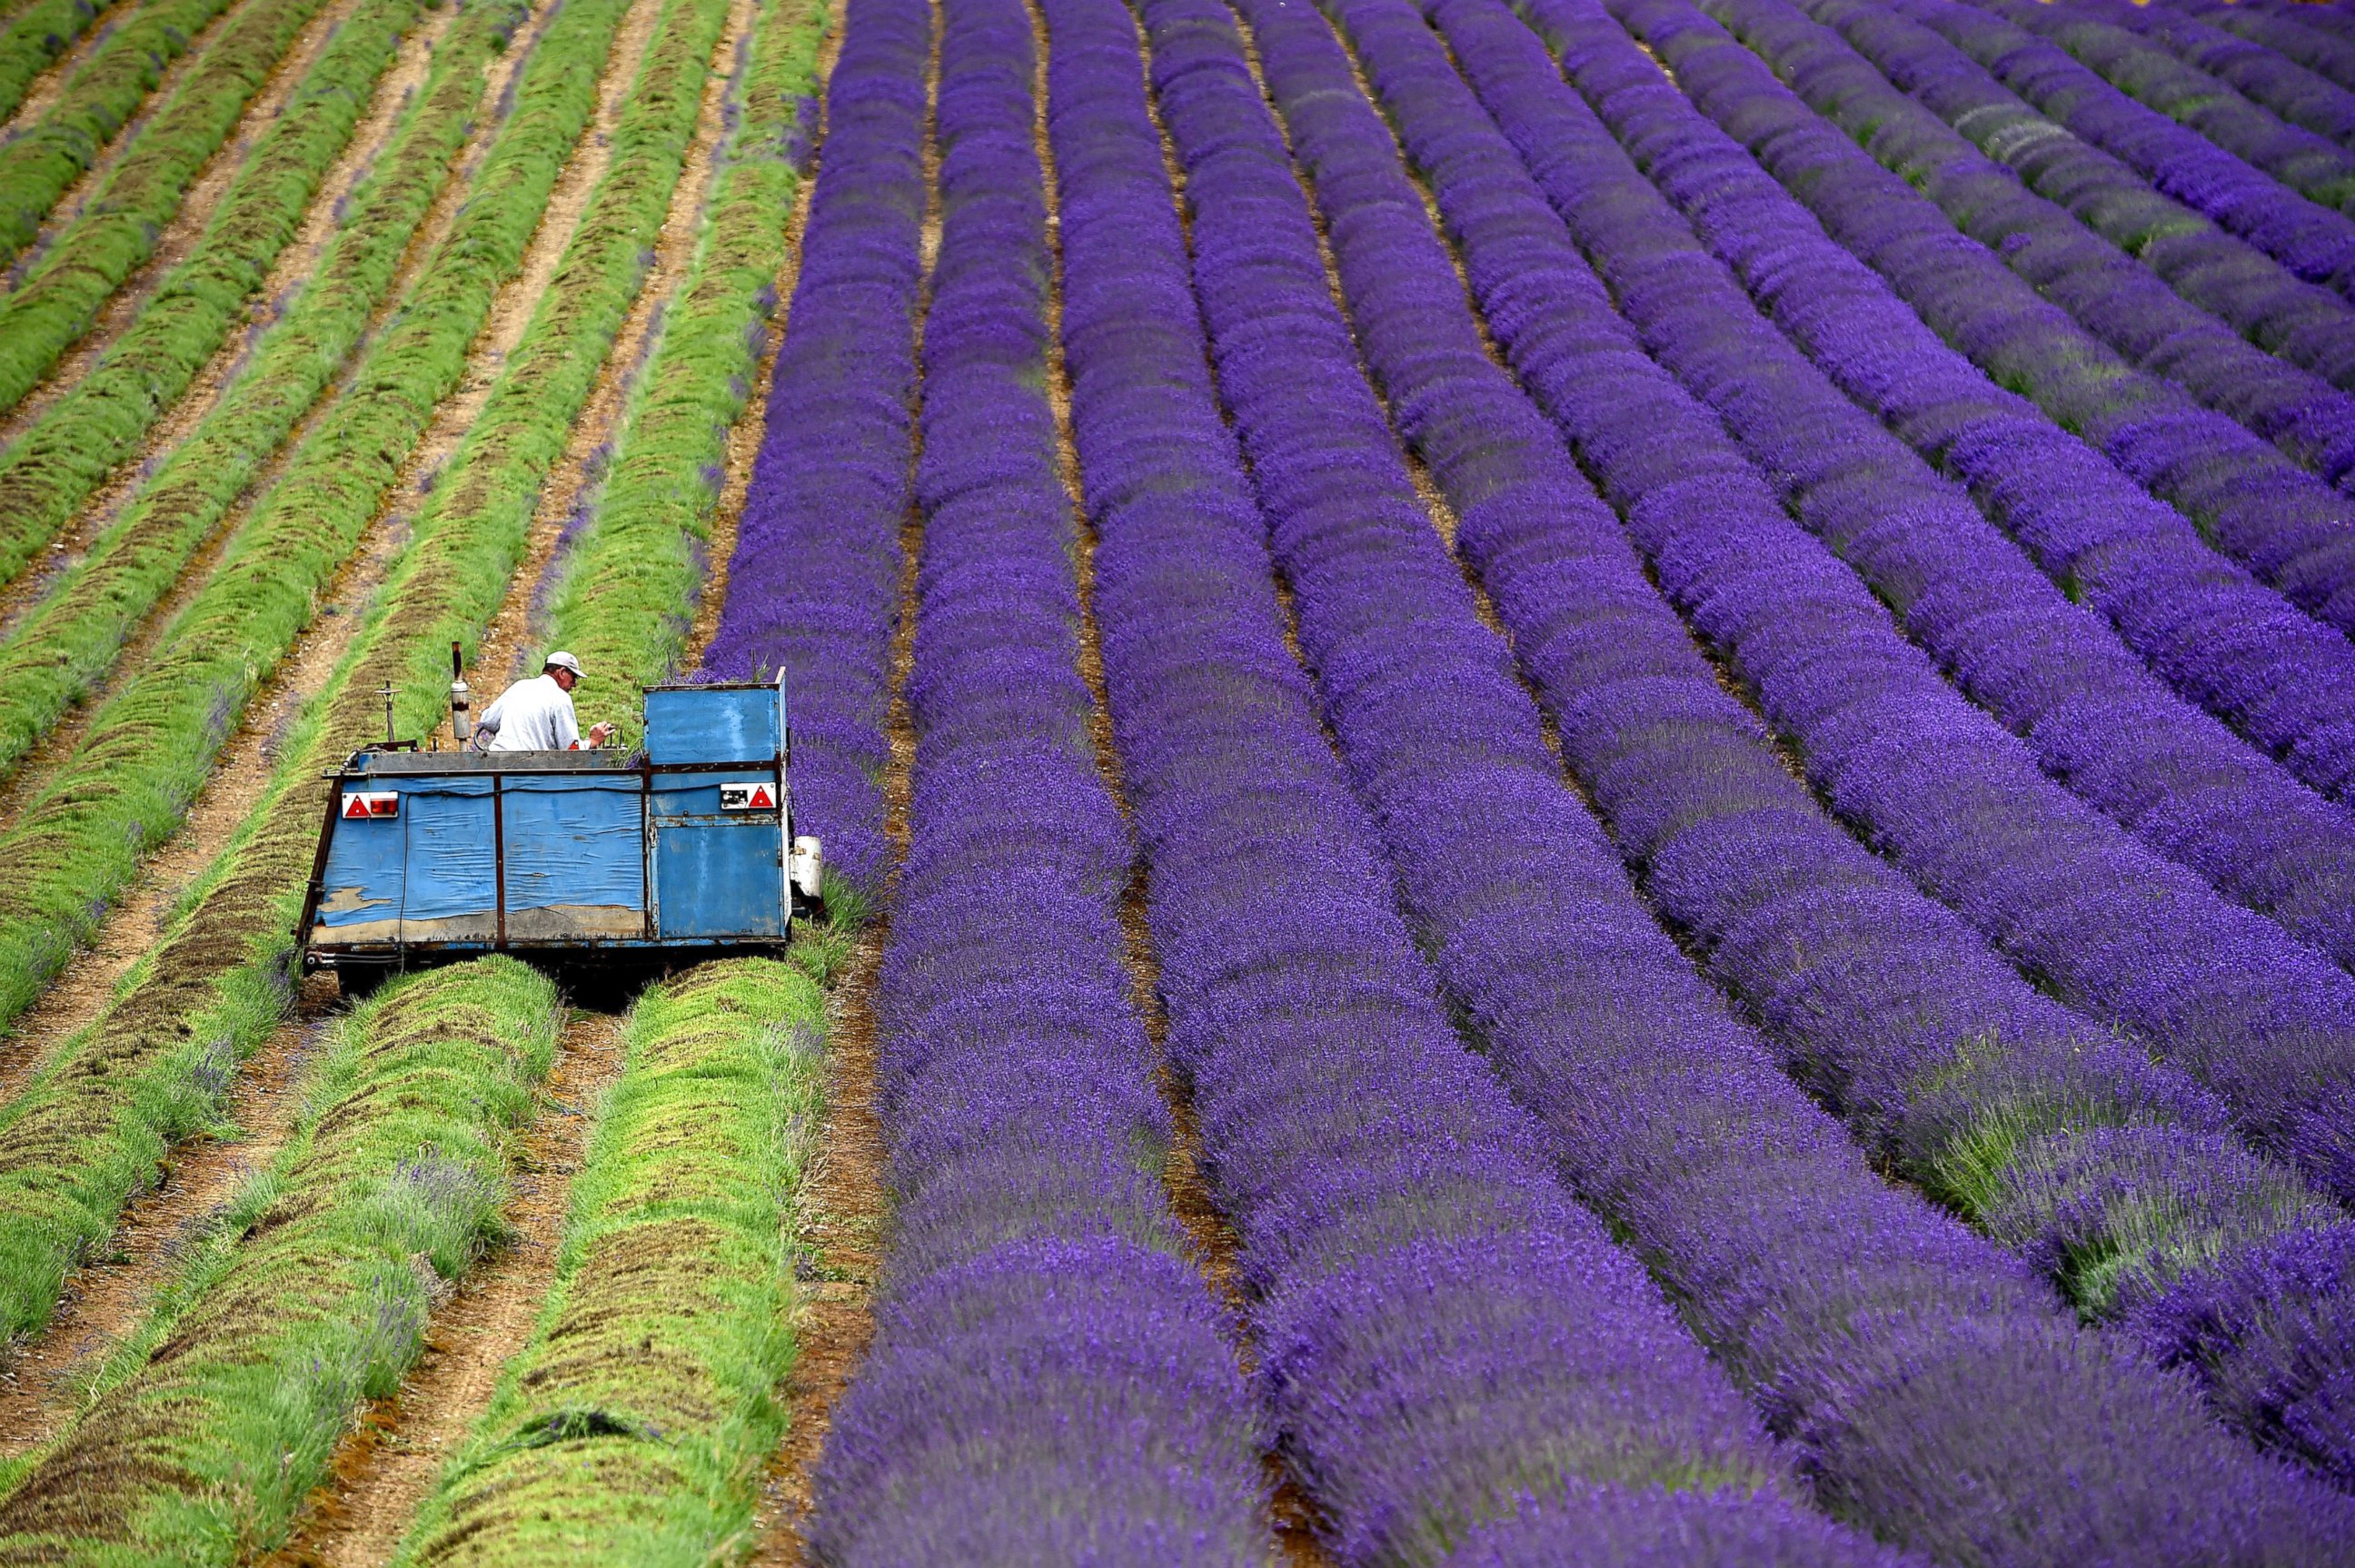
{"points": [[1661, 1109], [2289, 527], [812, 588], [2205, 627], [2097, 719], [2109, 288], [2297, 95], [1049, 1381], [2312, 166], [1942, 1058], [2314, 242], [1441, 1330]]}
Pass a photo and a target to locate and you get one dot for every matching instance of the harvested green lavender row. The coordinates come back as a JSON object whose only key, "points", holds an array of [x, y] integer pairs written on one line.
{"points": [[94, 1125], [54, 466], [309, 1293], [636, 561], [116, 232], [632, 1426], [101, 97]]}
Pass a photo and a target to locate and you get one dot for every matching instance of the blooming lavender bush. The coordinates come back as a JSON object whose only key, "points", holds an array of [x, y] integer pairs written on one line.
{"points": [[2094, 717], [2170, 291], [1662, 1110], [2310, 164], [1930, 779], [2314, 242], [2299, 96], [2289, 528], [1442, 1335], [1883, 1001], [2307, 34], [2209, 629], [814, 587], [1049, 1382]]}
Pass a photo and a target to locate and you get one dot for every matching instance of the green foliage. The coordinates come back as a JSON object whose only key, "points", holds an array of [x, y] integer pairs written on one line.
{"points": [[71, 450], [79, 1140], [633, 1427], [311, 1294], [40, 34], [623, 601], [59, 651], [117, 231], [100, 98]]}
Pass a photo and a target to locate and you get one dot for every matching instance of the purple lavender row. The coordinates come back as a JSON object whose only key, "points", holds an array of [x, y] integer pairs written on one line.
{"points": [[2312, 166], [2298, 96], [1049, 1381], [1664, 1111], [2254, 503], [1441, 1330], [2314, 242], [2113, 1178], [2171, 335], [814, 586], [2109, 288], [2302, 32], [2063, 1147], [2095, 717], [1934, 781], [2210, 630]]}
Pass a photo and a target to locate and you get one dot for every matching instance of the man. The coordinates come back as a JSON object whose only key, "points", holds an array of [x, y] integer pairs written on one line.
{"points": [[537, 715]]}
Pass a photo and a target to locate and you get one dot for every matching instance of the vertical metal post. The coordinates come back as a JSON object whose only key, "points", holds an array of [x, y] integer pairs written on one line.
{"points": [[499, 857]]}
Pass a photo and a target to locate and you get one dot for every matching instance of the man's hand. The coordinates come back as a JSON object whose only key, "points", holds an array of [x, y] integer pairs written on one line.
{"points": [[599, 733]]}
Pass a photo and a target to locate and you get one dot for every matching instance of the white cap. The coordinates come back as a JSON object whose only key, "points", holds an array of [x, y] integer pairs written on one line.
{"points": [[562, 661]]}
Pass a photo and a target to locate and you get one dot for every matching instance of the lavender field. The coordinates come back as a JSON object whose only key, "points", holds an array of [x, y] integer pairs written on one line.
{"points": [[1587, 768]]}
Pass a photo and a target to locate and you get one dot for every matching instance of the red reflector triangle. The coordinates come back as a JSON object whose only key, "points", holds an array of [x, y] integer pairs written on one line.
{"points": [[760, 801], [356, 806]]}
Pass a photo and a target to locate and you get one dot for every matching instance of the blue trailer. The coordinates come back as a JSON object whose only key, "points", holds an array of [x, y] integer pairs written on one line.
{"points": [[683, 850]]}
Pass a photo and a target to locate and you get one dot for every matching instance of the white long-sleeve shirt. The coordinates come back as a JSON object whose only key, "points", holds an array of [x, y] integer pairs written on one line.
{"points": [[533, 714]]}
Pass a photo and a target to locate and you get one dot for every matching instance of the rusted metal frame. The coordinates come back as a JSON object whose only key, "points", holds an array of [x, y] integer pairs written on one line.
{"points": [[645, 851], [317, 887]]}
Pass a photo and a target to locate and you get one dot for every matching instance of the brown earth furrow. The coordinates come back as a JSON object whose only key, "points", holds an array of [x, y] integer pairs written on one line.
{"points": [[248, 758], [510, 638], [107, 1300], [846, 1208], [43, 89], [76, 196], [297, 262], [387, 1463], [186, 229]]}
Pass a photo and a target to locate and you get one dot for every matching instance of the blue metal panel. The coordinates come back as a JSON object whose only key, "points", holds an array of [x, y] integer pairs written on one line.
{"points": [[714, 723], [451, 891], [575, 857], [715, 879], [361, 884]]}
